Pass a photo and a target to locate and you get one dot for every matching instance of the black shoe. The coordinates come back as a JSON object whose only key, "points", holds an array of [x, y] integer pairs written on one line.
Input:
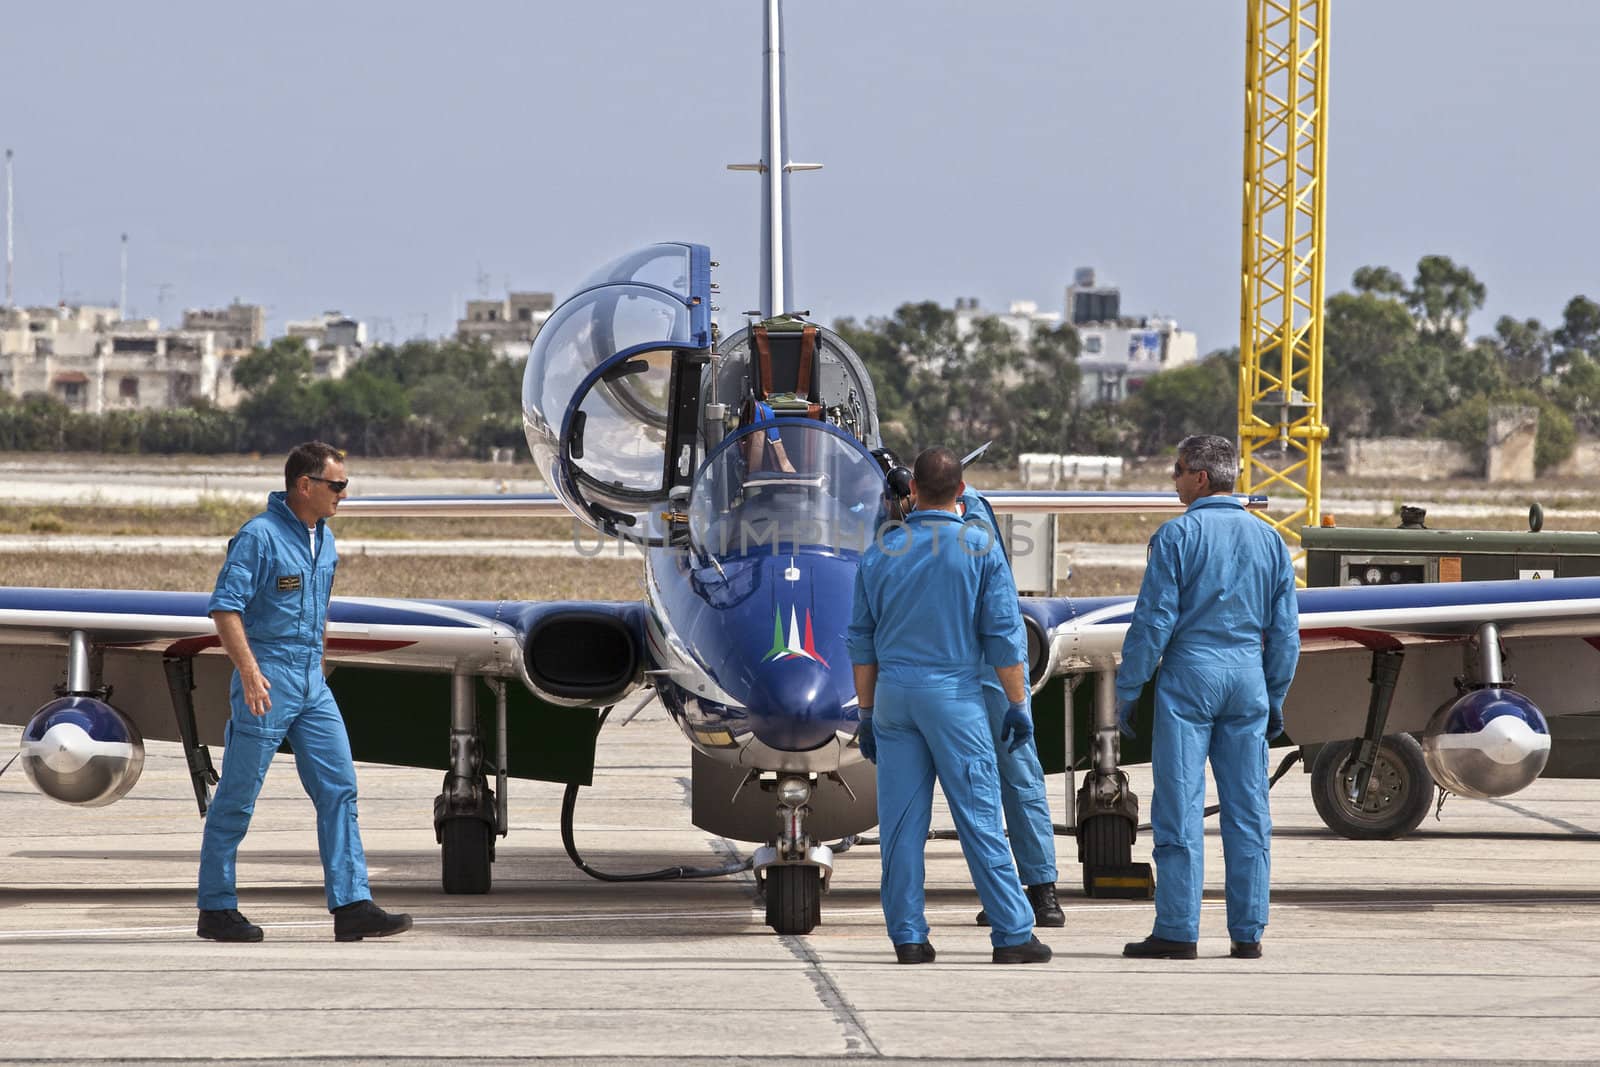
{"points": [[1159, 948], [1031, 951], [1245, 950], [915, 952], [1046, 908], [352, 922], [226, 925]]}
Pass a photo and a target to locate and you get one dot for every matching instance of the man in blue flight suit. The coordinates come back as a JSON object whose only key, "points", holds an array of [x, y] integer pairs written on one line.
{"points": [[270, 607], [1218, 610], [1029, 827], [935, 608]]}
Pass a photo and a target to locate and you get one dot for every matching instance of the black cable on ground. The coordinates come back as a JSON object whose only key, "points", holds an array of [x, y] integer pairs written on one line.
{"points": [[1062, 830], [569, 804], [1283, 768]]}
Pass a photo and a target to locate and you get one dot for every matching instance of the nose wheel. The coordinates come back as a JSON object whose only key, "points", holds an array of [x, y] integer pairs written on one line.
{"points": [[793, 871], [794, 899]]}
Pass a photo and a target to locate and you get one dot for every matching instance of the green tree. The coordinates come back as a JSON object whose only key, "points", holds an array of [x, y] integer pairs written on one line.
{"points": [[281, 408], [1443, 295], [1045, 410], [366, 413], [1363, 334], [1524, 347], [912, 356], [1579, 332], [1468, 426], [1577, 390], [1200, 398], [1378, 281], [1480, 370]]}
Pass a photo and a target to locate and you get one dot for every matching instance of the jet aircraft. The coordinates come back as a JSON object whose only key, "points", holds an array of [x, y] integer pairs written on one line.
{"points": [[748, 468]]}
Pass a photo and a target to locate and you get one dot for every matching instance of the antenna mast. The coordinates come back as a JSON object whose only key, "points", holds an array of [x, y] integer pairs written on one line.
{"points": [[122, 297], [10, 302], [777, 269]]}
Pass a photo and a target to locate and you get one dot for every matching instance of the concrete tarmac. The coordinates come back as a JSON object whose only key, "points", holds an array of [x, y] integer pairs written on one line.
{"points": [[1477, 940]]}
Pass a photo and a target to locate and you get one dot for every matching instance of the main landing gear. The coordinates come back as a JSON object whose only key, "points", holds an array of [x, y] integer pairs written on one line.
{"points": [[468, 815], [1377, 786], [1108, 810]]}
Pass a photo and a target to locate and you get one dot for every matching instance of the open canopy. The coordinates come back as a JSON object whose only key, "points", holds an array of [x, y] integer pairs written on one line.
{"points": [[607, 378]]}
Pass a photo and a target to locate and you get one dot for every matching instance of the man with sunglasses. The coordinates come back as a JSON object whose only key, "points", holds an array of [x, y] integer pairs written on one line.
{"points": [[1217, 609], [270, 607]]}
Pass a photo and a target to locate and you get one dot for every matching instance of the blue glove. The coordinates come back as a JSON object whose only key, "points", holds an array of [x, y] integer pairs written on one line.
{"points": [[1274, 723], [864, 738], [1017, 725], [1125, 709]]}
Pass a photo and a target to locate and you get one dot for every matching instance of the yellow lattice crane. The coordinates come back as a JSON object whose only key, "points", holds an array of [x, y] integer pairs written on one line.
{"points": [[1281, 306]]}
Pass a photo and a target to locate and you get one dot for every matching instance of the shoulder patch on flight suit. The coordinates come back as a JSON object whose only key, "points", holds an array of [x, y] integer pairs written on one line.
{"points": [[288, 582]]}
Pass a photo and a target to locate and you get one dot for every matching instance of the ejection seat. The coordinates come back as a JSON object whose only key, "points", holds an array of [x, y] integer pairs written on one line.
{"points": [[783, 384]]}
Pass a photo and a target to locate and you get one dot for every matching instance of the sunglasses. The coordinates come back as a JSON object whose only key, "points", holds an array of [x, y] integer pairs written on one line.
{"points": [[1179, 470], [337, 486]]}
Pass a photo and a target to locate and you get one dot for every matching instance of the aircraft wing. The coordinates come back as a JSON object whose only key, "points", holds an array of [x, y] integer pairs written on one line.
{"points": [[1090, 502], [486, 505], [545, 505], [1549, 631], [540, 643]]}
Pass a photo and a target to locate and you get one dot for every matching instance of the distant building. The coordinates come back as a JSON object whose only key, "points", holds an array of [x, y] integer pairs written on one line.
{"points": [[238, 327], [1087, 302], [508, 326], [335, 341], [1021, 318], [88, 359], [1115, 359], [1117, 353]]}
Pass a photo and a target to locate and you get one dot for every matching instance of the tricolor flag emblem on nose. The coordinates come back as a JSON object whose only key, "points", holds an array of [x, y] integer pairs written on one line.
{"points": [[792, 647]]}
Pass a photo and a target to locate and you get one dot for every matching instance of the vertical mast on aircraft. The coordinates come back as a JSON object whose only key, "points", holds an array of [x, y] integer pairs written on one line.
{"points": [[777, 281]]}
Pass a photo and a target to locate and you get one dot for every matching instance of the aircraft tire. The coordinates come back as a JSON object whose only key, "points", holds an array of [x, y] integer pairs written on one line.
{"points": [[1105, 841], [794, 898], [467, 855], [1397, 801]]}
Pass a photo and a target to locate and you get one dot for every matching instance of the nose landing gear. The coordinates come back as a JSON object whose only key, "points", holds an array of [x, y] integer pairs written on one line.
{"points": [[793, 871]]}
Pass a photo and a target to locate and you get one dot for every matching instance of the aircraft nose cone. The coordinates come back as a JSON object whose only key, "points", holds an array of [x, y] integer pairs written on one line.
{"points": [[793, 706]]}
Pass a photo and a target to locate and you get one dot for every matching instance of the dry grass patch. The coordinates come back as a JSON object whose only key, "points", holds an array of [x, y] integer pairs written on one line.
{"points": [[430, 578], [433, 577]]}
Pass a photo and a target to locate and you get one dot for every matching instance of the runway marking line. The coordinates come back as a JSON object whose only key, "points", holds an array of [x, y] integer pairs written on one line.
{"points": [[756, 913]]}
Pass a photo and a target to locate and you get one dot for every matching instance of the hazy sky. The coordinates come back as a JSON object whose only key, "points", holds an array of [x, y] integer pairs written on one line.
{"points": [[393, 160]]}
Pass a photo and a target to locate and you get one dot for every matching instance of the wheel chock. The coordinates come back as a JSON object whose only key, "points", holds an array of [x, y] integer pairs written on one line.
{"points": [[1126, 881]]}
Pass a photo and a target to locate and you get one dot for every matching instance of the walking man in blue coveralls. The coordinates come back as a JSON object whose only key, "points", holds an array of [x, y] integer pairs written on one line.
{"points": [[1218, 610], [1029, 827], [935, 609], [270, 607]]}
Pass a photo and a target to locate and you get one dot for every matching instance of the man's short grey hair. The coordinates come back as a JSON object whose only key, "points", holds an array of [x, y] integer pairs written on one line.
{"points": [[1214, 455]]}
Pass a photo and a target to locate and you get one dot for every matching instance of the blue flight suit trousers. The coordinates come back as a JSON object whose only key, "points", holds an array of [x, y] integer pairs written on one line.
{"points": [[303, 710], [923, 732], [1022, 793], [1220, 713]]}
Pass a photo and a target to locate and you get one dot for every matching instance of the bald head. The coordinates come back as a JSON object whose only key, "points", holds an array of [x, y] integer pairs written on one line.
{"points": [[936, 477]]}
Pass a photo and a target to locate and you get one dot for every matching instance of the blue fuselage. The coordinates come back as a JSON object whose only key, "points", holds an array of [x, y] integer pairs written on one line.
{"points": [[767, 631]]}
